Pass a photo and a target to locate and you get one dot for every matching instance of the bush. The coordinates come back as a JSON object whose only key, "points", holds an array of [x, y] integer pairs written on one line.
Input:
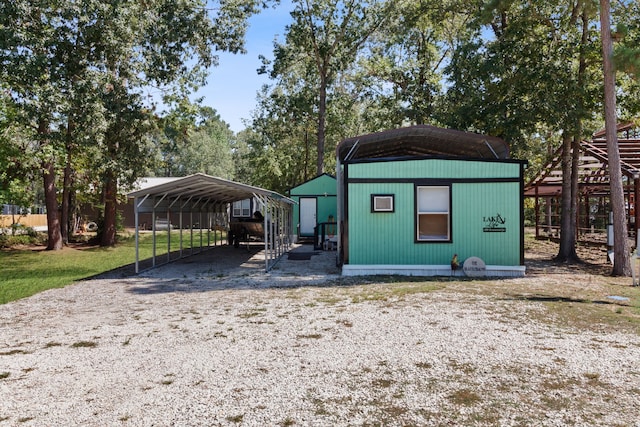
{"points": [[28, 238]]}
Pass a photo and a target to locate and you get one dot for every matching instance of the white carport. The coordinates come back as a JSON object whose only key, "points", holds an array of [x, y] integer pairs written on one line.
{"points": [[208, 198]]}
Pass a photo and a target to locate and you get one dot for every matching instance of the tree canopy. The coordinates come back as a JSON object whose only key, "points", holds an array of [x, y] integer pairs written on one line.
{"points": [[77, 74]]}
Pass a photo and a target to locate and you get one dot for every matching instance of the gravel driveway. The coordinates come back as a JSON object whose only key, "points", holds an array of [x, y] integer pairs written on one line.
{"points": [[198, 343]]}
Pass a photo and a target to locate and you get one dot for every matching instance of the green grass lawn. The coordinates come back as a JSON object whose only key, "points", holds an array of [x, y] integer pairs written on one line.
{"points": [[26, 272]]}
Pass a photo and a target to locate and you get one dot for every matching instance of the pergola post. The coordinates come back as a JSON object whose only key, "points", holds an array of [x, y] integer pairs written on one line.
{"points": [[636, 211], [537, 212]]}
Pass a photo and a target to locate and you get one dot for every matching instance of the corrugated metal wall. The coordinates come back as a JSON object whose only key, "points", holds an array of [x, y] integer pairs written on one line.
{"points": [[389, 238], [323, 188], [435, 169]]}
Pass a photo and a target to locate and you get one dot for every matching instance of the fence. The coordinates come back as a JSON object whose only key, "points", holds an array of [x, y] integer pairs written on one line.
{"points": [[29, 220]]}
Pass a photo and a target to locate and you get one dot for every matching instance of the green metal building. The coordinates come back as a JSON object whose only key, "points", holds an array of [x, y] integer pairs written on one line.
{"points": [[410, 199], [316, 204]]}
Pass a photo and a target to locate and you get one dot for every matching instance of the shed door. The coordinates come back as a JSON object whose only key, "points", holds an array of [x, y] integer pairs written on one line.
{"points": [[307, 215]]}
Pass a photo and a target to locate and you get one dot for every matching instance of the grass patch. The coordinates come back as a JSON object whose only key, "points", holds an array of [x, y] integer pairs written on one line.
{"points": [[395, 290], [84, 344], [235, 418], [310, 336], [4, 375], [11, 352], [26, 272], [382, 383], [52, 344], [252, 313], [287, 422], [464, 397]]}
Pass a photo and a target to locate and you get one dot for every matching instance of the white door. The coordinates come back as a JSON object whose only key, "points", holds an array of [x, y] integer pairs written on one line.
{"points": [[307, 216]]}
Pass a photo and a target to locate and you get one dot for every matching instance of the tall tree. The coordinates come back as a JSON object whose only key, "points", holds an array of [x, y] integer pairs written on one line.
{"points": [[207, 149], [51, 49], [16, 158], [621, 262], [529, 67], [326, 36], [404, 60]]}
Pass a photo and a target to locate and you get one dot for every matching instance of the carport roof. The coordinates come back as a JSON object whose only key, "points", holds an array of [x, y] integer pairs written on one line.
{"points": [[208, 187], [422, 140]]}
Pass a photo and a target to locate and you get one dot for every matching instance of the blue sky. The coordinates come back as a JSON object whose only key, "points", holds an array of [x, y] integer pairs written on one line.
{"points": [[233, 84]]}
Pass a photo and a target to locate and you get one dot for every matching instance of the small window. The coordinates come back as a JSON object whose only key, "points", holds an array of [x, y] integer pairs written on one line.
{"points": [[382, 203], [433, 214], [242, 208]]}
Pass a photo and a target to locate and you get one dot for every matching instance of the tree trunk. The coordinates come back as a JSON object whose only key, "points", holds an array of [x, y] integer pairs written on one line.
{"points": [[306, 156], [65, 217], [66, 206], [110, 204], [567, 251], [575, 190], [54, 238], [322, 118], [54, 242], [621, 261]]}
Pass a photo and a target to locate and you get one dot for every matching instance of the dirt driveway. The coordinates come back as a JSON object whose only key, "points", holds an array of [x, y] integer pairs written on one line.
{"points": [[215, 341]]}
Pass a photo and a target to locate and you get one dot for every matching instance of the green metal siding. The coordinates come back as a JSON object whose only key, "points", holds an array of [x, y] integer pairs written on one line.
{"points": [[389, 238], [324, 189], [380, 238], [317, 186], [434, 168]]}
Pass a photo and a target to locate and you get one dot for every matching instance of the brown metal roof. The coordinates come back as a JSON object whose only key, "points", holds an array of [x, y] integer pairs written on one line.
{"points": [[420, 141], [593, 165]]}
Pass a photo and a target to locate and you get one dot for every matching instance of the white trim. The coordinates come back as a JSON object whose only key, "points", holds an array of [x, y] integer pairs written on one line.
{"points": [[377, 198], [428, 270]]}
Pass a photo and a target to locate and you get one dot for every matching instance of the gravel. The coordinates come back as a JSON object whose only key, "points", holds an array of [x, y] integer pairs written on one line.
{"points": [[196, 344]]}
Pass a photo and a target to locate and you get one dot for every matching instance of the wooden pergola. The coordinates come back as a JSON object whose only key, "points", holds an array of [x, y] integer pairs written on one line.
{"points": [[593, 183]]}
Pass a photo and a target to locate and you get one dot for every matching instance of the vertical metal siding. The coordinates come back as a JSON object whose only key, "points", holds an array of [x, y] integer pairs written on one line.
{"points": [[320, 185], [374, 237], [434, 168], [389, 238], [472, 203]]}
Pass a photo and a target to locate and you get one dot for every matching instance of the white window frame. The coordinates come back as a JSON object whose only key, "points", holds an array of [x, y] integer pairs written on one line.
{"points": [[376, 197], [242, 208], [433, 200]]}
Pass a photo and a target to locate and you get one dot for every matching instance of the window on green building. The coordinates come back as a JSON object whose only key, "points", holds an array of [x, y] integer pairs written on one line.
{"points": [[433, 214], [382, 203], [242, 208]]}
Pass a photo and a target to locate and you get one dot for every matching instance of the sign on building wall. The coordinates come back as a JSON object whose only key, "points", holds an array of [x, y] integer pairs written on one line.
{"points": [[494, 224]]}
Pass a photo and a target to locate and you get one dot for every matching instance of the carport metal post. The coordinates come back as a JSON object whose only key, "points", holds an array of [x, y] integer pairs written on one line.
{"points": [[191, 231], [182, 206], [191, 220], [200, 225], [263, 204], [136, 215], [208, 227], [153, 218], [168, 236], [153, 234], [169, 228], [180, 225]]}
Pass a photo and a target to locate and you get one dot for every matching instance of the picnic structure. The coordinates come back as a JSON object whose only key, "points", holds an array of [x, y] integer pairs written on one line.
{"points": [[593, 213], [409, 199], [315, 214], [198, 206]]}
